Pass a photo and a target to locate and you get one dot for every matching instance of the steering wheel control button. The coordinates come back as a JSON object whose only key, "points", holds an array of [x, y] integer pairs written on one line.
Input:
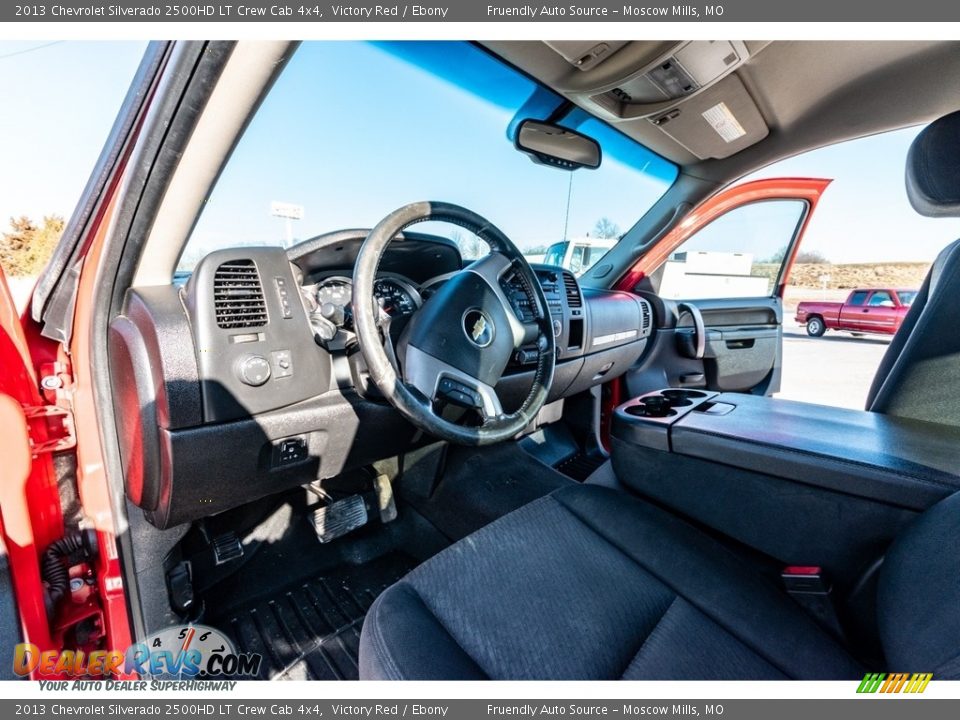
{"points": [[282, 363], [479, 327], [253, 370], [458, 393]]}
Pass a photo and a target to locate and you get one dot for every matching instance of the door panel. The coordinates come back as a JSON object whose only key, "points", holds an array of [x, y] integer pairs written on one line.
{"points": [[712, 251], [742, 349], [743, 344]]}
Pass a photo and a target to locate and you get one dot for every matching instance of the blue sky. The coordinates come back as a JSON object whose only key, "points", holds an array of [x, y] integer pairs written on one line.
{"points": [[349, 171], [59, 101], [352, 146], [864, 215]]}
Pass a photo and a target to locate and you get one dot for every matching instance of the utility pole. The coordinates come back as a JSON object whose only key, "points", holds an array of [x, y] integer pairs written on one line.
{"points": [[566, 219], [289, 212]]}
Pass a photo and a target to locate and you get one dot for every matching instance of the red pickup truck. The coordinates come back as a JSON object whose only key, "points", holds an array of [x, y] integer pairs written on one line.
{"points": [[869, 310]]}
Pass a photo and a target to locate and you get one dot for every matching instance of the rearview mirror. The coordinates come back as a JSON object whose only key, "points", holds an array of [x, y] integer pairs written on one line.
{"points": [[557, 146]]}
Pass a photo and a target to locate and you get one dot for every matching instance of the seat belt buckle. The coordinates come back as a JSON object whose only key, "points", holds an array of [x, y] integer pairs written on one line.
{"points": [[810, 588], [805, 579]]}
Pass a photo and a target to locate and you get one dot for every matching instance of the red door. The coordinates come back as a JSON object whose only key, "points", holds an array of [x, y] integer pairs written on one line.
{"points": [[854, 312], [29, 499], [880, 314], [728, 259], [807, 190]]}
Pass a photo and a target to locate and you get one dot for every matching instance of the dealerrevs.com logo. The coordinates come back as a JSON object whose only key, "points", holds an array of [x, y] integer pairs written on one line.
{"points": [[181, 652], [890, 683]]}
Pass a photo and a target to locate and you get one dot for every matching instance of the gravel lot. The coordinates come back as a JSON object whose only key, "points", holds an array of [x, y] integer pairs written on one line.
{"points": [[835, 369]]}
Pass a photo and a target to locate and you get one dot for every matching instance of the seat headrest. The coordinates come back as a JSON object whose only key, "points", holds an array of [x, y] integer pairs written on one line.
{"points": [[933, 168]]}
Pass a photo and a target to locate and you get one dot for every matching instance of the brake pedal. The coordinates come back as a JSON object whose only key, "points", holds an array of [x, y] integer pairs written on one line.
{"points": [[339, 517]]}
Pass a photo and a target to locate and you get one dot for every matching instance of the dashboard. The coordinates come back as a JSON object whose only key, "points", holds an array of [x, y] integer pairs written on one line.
{"points": [[247, 379]]}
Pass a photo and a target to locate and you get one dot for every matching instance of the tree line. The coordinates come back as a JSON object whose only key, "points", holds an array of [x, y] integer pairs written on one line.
{"points": [[26, 247]]}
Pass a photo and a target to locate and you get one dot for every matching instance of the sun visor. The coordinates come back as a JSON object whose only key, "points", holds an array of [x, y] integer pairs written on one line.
{"points": [[716, 123]]}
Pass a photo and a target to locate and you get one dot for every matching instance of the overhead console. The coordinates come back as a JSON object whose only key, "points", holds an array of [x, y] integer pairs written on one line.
{"points": [[807, 484], [693, 95], [683, 72], [690, 91]]}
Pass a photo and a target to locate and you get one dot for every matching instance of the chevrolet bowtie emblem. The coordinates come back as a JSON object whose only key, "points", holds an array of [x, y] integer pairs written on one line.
{"points": [[479, 327]]}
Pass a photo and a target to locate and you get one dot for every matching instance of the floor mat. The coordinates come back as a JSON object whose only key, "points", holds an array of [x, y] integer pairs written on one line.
{"points": [[476, 486], [311, 630], [580, 466]]}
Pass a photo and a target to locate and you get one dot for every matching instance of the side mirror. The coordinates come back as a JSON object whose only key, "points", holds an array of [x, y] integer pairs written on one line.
{"points": [[559, 147]]}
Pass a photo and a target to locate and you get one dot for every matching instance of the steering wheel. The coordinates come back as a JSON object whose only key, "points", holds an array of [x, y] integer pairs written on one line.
{"points": [[457, 345]]}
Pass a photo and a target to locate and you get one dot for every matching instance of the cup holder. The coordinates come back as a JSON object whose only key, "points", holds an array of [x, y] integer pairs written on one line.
{"points": [[653, 406], [665, 403], [642, 411], [679, 394]]}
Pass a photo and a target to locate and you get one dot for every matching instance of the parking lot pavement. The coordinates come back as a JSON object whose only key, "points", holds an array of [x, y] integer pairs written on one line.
{"points": [[835, 369]]}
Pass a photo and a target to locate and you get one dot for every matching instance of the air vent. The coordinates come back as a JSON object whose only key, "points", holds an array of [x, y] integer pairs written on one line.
{"points": [[645, 314], [574, 298], [238, 295]]}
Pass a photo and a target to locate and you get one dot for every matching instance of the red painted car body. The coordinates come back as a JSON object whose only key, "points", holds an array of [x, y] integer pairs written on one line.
{"points": [[866, 310]]}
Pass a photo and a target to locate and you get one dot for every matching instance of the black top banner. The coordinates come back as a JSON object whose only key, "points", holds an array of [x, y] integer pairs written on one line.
{"points": [[641, 11]]}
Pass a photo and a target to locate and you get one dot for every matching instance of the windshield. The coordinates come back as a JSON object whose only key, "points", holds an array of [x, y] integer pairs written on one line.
{"points": [[907, 297], [354, 130]]}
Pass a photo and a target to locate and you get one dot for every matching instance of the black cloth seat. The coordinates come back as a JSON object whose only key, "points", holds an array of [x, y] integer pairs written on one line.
{"points": [[589, 583], [919, 374]]}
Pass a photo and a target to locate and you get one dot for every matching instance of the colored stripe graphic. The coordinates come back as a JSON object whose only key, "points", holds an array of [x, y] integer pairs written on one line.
{"points": [[894, 683], [919, 682], [871, 682]]}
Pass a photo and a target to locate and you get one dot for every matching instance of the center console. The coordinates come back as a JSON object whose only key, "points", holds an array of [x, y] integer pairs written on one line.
{"points": [[803, 483]]}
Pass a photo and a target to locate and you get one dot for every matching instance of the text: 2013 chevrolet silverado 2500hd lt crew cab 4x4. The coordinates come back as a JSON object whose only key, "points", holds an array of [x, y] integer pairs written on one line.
{"points": [[867, 310]]}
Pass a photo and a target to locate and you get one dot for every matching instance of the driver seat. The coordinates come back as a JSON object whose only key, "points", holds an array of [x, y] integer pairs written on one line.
{"points": [[590, 583]]}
